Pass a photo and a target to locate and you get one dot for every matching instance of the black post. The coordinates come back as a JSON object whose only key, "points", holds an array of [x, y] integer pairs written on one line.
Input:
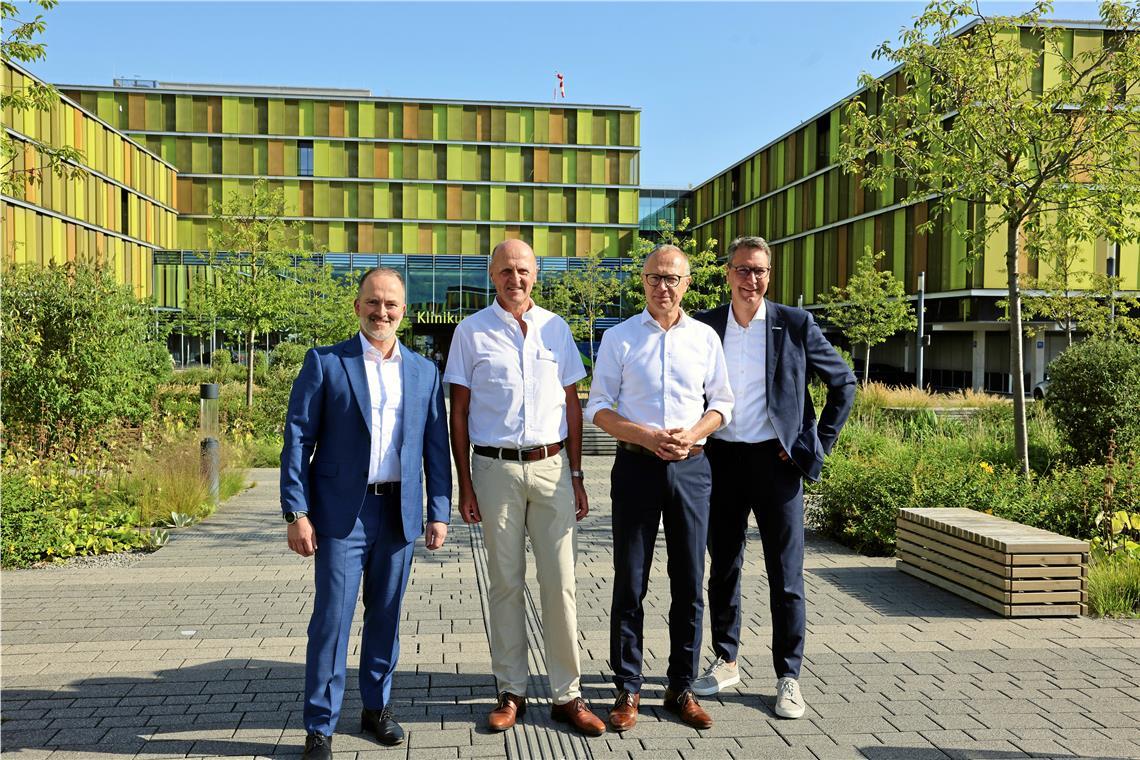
{"points": [[210, 447]]}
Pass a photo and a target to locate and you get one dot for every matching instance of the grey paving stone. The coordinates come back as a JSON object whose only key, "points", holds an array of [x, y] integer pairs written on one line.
{"points": [[894, 668]]}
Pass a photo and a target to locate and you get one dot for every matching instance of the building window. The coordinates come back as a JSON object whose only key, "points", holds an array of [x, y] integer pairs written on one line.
{"points": [[305, 158]]}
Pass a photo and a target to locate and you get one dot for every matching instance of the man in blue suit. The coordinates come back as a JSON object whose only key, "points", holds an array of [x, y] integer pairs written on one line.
{"points": [[759, 461], [365, 425]]}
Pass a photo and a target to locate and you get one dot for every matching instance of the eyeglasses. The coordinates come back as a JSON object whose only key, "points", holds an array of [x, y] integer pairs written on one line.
{"points": [[746, 272], [670, 280]]}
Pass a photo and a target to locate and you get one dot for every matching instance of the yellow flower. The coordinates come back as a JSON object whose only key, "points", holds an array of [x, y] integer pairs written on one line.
{"points": [[987, 467]]}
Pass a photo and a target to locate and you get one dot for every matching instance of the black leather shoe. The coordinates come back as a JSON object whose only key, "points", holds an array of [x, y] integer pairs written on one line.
{"points": [[317, 747], [381, 723]]}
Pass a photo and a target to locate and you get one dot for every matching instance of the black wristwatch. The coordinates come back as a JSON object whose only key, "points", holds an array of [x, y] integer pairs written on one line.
{"points": [[292, 517]]}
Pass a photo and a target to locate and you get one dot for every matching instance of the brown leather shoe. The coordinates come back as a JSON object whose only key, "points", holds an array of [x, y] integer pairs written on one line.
{"points": [[579, 715], [685, 706], [623, 715], [511, 707]]}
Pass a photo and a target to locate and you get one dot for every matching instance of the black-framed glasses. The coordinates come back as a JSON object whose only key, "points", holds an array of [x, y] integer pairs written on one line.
{"points": [[758, 272], [670, 280]]}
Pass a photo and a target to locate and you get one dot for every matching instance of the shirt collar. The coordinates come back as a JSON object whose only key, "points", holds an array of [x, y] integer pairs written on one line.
{"points": [[760, 315], [505, 315], [372, 352], [647, 319]]}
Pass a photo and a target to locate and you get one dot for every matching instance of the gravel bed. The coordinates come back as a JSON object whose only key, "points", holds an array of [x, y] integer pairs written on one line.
{"points": [[116, 559]]}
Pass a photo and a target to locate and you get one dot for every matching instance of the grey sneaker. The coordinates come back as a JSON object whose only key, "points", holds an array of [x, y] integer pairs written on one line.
{"points": [[719, 675], [789, 701]]}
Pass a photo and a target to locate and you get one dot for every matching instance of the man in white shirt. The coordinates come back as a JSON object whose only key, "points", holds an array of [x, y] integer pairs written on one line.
{"points": [[513, 369], [760, 459], [660, 386], [364, 430]]}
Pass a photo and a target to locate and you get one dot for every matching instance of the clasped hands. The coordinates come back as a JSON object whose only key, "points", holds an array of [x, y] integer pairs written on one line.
{"points": [[671, 444]]}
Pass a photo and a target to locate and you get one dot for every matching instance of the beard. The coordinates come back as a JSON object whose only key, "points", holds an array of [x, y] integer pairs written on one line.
{"points": [[380, 331]]}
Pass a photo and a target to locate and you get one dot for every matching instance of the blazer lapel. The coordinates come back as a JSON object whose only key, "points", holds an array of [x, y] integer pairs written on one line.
{"points": [[774, 325], [352, 356], [410, 377], [719, 320]]}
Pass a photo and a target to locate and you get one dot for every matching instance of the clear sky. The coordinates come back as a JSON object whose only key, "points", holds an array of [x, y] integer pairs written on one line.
{"points": [[715, 81]]}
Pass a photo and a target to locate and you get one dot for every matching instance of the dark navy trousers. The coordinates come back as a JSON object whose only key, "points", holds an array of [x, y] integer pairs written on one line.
{"points": [[377, 552], [750, 477], [646, 490]]}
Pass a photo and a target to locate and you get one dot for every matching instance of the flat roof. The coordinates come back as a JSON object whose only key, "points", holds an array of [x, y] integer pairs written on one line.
{"points": [[141, 86]]}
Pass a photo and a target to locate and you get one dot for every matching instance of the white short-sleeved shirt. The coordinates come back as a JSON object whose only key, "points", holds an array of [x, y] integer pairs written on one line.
{"points": [[660, 378], [517, 382]]}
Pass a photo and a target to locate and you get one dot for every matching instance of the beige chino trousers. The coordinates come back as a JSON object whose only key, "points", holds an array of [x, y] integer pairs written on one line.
{"points": [[536, 499]]}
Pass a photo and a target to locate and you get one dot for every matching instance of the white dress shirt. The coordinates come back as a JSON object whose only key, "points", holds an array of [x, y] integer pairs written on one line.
{"points": [[745, 352], [660, 378], [386, 398], [517, 382]]}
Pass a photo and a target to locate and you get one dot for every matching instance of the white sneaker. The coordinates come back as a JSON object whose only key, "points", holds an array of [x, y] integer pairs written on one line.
{"points": [[789, 701], [720, 675]]}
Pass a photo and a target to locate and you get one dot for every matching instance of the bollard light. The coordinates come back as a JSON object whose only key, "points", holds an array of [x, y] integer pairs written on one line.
{"points": [[211, 448]]}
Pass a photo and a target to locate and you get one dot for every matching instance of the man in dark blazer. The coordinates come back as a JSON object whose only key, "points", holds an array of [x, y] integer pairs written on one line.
{"points": [[365, 425], [759, 461]]}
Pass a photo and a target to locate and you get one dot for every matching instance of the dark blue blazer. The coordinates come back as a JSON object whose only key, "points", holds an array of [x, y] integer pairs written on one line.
{"points": [[324, 463], [796, 350]]}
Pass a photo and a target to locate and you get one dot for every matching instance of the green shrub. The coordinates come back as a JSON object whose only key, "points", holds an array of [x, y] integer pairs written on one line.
{"points": [[52, 513], [81, 359], [1114, 586], [27, 525], [1094, 392], [880, 468], [221, 359], [290, 355]]}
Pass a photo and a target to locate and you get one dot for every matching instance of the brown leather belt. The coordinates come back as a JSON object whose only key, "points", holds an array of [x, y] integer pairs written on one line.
{"points": [[636, 449], [521, 455]]}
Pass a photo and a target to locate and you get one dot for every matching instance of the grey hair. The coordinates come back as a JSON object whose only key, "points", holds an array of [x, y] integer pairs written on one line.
{"points": [[389, 271], [669, 248], [748, 243]]}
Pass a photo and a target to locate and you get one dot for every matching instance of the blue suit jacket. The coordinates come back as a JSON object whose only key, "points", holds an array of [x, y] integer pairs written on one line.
{"points": [[796, 350], [324, 463]]}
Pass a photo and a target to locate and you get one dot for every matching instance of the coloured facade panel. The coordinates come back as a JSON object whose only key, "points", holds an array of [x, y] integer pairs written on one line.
{"points": [[394, 177], [116, 212]]}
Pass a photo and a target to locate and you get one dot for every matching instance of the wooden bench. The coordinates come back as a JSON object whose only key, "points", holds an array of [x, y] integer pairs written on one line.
{"points": [[1012, 569]]}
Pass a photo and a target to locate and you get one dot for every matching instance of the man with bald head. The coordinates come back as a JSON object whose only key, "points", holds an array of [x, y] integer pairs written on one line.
{"points": [[513, 370], [660, 387]]}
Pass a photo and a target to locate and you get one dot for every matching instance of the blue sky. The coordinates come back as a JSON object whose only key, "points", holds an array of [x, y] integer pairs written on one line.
{"points": [[715, 81]]}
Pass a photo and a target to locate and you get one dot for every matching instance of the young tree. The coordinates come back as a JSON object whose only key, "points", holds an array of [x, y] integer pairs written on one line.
{"points": [[584, 293], [708, 287], [251, 257], [871, 308], [1004, 116], [322, 312], [18, 43]]}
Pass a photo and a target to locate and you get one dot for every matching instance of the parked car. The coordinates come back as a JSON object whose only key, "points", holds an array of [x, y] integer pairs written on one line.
{"points": [[1041, 389]]}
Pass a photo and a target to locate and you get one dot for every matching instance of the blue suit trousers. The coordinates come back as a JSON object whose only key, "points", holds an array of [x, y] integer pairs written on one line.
{"points": [[377, 552], [750, 477], [646, 490]]}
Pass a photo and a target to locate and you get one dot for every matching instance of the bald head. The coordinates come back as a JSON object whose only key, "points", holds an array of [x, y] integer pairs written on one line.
{"points": [[510, 248], [667, 257], [513, 270]]}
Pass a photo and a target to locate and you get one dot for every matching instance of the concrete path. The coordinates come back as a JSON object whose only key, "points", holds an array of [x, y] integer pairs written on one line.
{"points": [[197, 651]]}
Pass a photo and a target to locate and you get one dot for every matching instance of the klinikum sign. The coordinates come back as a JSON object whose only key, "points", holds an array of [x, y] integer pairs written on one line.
{"points": [[425, 317]]}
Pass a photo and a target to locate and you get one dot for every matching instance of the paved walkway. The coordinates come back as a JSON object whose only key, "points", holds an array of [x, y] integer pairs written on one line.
{"points": [[197, 651]]}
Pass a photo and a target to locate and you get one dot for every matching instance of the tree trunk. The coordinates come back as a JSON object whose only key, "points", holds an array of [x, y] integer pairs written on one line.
{"points": [[1016, 357], [866, 363], [249, 370]]}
